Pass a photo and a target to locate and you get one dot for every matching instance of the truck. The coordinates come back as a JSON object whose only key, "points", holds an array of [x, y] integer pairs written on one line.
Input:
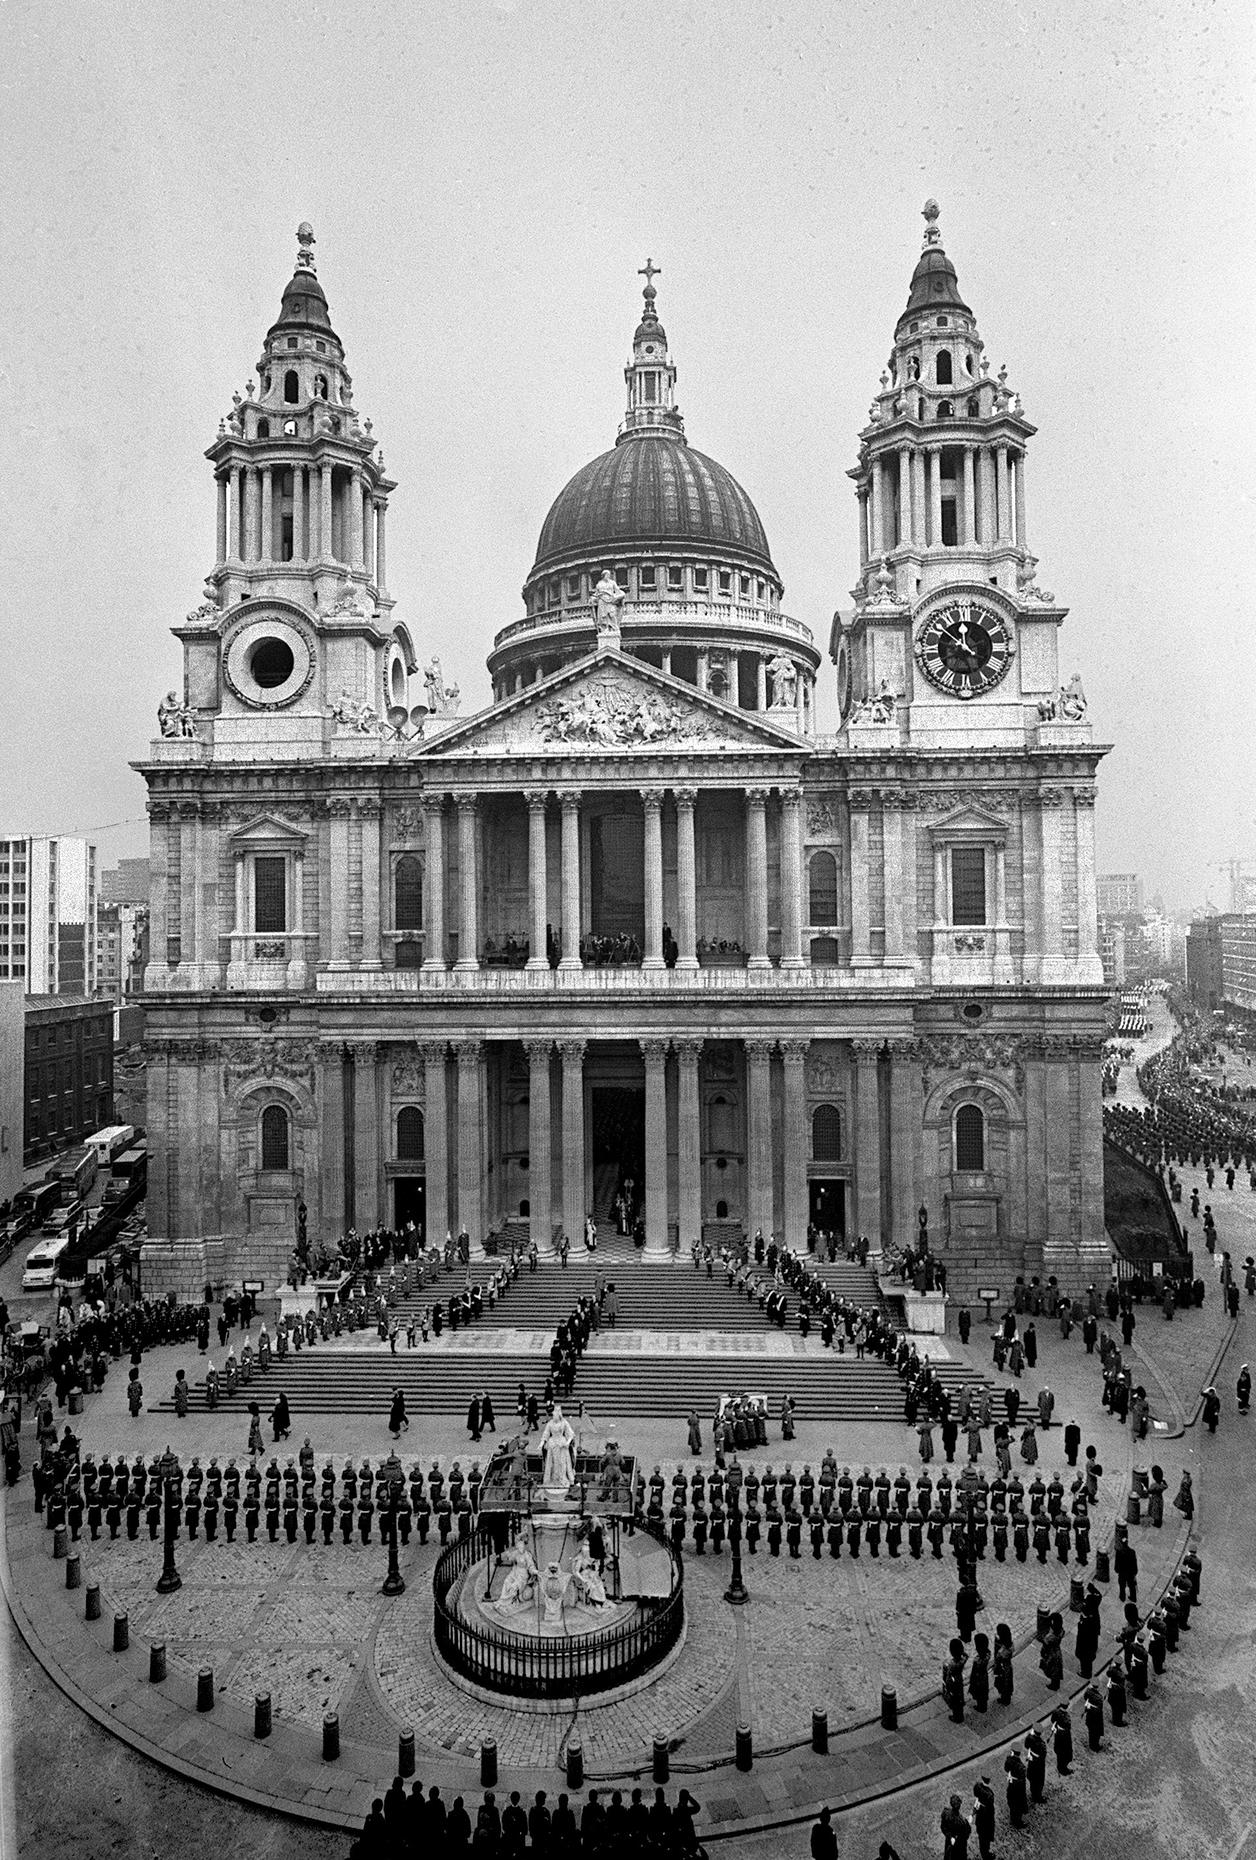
{"points": [[75, 1172], [110, 1142]]}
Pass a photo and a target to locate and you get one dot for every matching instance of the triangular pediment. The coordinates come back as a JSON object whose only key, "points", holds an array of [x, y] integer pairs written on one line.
{"points": [[969, 820], [268, 830], [613, 703]]}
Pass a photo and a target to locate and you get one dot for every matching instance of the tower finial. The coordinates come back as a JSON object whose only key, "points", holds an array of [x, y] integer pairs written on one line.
{"points": [[930, 212], [649, 271], [305, 246]]}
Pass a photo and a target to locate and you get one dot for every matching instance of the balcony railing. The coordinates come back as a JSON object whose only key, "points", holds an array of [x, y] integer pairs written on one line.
{"points": [[518, 983], [720, 614]]}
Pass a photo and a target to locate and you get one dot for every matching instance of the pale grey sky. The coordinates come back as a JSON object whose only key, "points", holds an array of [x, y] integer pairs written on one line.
{"points": [[484, 180]]}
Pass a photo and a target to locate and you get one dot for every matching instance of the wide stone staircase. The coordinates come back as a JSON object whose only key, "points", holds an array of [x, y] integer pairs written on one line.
{"points": [[681, 1341]]}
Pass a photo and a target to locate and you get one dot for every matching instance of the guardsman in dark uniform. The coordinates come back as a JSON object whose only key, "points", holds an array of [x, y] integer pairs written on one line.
{"points": [[953, 1681], [346, 1510], [835, 1533], [807, 1491], [999, 1532], [983, 1817], [1136, 1656], [894, 1532], [252, 1512], [915, 1532], [309, 1515], [209, 1515], [677, 1516], [854, 1532], [864, 1491], [1062, 1739], [979, 1673], [273, 1511], [1020, 1534], [793, 1531], [944, 1494], [775, 1524], [882, 1490], [1117, 1698], [1156, 1640], [980, 1534], [152, 1511], [231, 1510], [1062, 1538], [192, 1512], [1017, 1788], [1036, 1763], [872, 1532], [698, 1528], [1092, 1716], [327, 1512], [935, 1531], [366, 1513], [1072, 1442], [845, 1492], [816, 1532], [753, 1527], [924, 1495]]}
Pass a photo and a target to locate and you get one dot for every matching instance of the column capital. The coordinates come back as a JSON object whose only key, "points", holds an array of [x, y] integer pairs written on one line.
{"points": [[537, 799], [466, 800], [432, 803], [794, 1052], [689, 1049], [654, 1052], [866, 1050], [791, 799], [652, 799], [370, 807], [338, 806], [538, 1051], [363, 1052], [468, 1052], [433, 1052], [685, 797], [756, 797], [759, 1049], [570, 799], [573, 1051]]}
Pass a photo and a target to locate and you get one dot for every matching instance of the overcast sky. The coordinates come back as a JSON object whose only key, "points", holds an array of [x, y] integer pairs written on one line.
{"points": [[484, 180]]}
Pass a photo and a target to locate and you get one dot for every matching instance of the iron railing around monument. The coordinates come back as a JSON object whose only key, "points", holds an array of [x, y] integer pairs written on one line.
{"points": [[559, 1666]]}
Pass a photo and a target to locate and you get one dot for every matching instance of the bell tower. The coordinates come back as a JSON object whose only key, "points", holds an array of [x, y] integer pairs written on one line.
{"points": [[952, 642], [295, 638]]}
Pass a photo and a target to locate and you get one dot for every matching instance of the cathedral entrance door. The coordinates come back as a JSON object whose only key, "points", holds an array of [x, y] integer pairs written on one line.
{"points": [[828, 1204], [410, 1203], [617, 878], [617, 1127]]}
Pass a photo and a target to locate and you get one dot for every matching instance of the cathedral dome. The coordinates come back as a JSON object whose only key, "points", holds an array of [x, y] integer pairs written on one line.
{"points": [[651, 488]]}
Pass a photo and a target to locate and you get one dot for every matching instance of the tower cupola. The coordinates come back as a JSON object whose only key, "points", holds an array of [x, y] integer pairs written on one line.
{"points": [[651, 374]]}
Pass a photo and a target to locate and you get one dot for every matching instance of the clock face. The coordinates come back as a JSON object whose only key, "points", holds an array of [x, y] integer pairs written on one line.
{"points": [[964, 648]]}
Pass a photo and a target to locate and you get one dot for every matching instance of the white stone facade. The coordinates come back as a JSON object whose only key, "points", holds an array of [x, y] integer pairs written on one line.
{"points": [[409, 966]]}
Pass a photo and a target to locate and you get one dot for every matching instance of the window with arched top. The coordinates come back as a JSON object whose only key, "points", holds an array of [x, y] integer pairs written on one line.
{"points": [[946, 410], [409, 1134], [973, 407], [826, 1133], [970, 1137], [263, 429], [274, 1137], [822, 888], [408, 893], [292, 387], [942, 373]]}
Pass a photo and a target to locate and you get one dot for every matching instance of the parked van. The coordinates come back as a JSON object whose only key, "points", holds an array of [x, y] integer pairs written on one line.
{"points": [[110, 1142], [40, 1270]]}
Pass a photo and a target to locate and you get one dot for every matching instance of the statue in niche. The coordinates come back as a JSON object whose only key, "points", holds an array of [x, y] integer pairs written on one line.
{"points": [[175, 720], [608, 601], [784, 676]]}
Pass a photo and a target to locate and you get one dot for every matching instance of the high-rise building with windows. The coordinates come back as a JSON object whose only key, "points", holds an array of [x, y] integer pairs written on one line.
{"points": [[48, 914], [635, 927]]}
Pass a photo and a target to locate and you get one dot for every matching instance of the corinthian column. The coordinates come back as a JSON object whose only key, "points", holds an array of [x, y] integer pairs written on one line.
{"points": [[469, 888], [573, 1137], [652, 803], [434, 881], [435, 1141], [791, 878], [689, 1133], [470, 1144], [757, 876], [867, 1140], [794, 1056], [686, 880], [657, 1243], [759, 1134], [538, 880], [540, 1218]]}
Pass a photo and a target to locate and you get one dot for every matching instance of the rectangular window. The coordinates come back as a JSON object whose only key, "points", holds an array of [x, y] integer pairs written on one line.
{"points": [[745, 587], [645, 575], [651, 387], [573, 587], [700, 578], [269, 894], [675, 579], [726, 581], [968, 885]]}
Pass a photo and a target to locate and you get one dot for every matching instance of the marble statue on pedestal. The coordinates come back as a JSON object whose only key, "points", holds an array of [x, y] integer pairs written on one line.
{"points": [[556, 1443]]}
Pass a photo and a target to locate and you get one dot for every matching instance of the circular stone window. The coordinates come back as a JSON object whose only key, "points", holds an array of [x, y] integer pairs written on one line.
{"points": [[973, 1012], [269, 662]]}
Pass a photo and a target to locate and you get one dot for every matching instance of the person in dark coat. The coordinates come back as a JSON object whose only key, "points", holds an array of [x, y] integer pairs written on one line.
{"points": [[1017, 1788], [1092, 1714], [824, 1837], [983, 1817], [397, 1416], [487, 1417], [956, 1829], [1086, 1646], [475, 1418], [979, 1674], [1062, 1739], [1004, 1676]]}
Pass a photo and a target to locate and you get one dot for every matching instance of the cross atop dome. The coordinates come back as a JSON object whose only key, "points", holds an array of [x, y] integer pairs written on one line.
{"points": [[649, 271], [651, 373]]}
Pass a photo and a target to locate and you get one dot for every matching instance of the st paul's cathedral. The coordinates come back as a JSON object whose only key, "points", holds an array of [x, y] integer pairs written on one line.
{"points": [[637, 931]]}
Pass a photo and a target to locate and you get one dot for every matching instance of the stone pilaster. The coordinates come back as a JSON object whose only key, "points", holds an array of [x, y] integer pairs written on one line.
{"points": [[572, 1052], [689, 1135], [794, 1060], [540, 1220], [759, 1134], [654, 1052], [470, 1144], [436, 1141]]}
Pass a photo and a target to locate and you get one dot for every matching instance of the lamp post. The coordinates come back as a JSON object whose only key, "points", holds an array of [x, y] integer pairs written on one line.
{"points": [[394, 1581], [736, 1592], [169, 1579]]}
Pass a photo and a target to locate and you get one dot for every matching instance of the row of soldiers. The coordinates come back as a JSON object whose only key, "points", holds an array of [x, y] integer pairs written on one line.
{"points": [[1142, 1646]]}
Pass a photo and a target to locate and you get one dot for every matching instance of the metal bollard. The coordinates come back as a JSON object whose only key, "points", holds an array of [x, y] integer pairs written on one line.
{"points": [[1044, 1622], [820, 1728], [205, 1689], [121, 1633], [1076, 1594], [661, 1767], [1133, 1512], [73, 1571], [60, 1543], [405, 1751], [745, 1747], [157, 1662], [92, 1608], [261, 1714], [575, 1765], [488, 1763], [331, 1737], [1142, 1485], [889, 1709], [1103, 1566]]}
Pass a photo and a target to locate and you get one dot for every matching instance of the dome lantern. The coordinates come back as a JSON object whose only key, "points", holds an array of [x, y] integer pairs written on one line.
{"points": [[650, 376]]}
